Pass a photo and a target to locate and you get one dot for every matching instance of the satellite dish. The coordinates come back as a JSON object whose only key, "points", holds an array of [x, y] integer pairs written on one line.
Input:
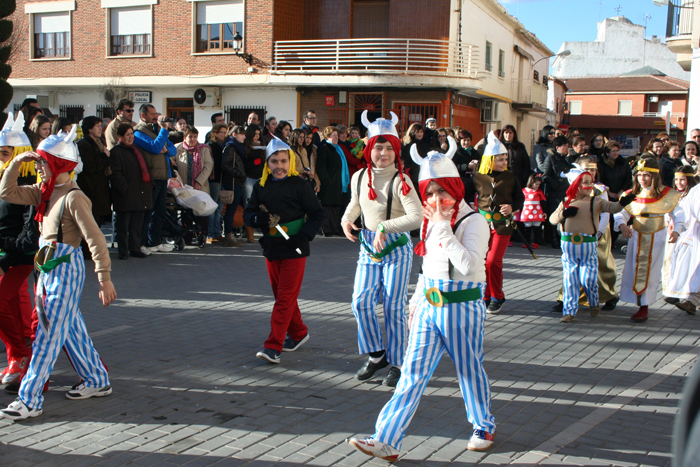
{"points": [[200, 96]]}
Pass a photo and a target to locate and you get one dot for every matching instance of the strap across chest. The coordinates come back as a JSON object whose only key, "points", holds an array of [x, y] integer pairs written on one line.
{"points": [[389, 196]]}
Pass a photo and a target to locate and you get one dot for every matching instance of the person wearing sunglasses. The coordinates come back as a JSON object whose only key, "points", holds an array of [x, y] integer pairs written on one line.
{"points": [[125, 114], [539, 154]]}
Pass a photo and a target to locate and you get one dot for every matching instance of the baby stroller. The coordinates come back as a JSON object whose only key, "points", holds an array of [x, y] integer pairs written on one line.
{"points": [[181, 226]]}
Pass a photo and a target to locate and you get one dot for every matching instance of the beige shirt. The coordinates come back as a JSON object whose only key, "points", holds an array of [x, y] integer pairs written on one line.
{"points": [[111, 135], [207, 166], [77, 220], [406, 210], [583, 222]]}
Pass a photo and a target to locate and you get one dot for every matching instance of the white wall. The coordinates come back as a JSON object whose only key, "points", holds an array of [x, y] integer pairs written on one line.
{"points": [[619, 48], [694, 98]]}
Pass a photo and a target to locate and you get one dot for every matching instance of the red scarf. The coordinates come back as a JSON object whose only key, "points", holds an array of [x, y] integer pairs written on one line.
{"points": [[145, 176], [572, 191], [57, 166], [396, 144], [455, 187]]}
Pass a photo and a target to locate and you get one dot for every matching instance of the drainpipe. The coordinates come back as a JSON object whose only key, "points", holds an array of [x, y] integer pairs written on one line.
{"points": [[455, 13]]}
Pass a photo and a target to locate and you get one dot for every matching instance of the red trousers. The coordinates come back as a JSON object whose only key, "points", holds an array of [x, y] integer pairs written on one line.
{"points": [[494, 266], [286, 276], [16, 312]]}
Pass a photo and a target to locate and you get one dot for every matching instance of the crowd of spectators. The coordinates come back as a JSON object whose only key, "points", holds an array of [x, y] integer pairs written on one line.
{"points": [[127, 162]]}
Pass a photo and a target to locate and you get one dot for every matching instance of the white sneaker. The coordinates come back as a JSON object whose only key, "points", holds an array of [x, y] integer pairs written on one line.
{"points": [[18, 410], [480, 440], [372, 447], [163, 247], [146, 251], [84, 392]]}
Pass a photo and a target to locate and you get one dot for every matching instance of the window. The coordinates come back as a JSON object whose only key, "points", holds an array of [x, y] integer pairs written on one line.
{"points": [[52, 35], [238, 114], [487, 59], [624, 107], [130, 31], [217, 24], [536, 76], [575, 107], [74, 113], [501, 63]]}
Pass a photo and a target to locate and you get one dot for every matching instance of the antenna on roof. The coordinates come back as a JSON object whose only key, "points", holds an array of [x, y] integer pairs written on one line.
{"points": [[618, 10], [600, 8]]}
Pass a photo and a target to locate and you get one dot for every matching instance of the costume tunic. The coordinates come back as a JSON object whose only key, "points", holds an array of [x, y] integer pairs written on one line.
{"points": [[684, 277], [532, 206]]}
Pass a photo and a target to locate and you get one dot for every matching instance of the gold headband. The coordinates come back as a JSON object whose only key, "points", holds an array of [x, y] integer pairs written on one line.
{"points": [[683, 174], [641, 167], [590, 165]]}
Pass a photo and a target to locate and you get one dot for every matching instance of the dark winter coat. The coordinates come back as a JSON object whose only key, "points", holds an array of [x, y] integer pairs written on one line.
{"points": [[94, 179], [555, 185], [129, 192], [329, 169], [616, 175], [519, 162], [232, 164]]}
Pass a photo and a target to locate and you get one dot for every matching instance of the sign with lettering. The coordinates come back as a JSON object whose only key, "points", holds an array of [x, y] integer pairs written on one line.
{"points": [[330, 100], [140, 97]]}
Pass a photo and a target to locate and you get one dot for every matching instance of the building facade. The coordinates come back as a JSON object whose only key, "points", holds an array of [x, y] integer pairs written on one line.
{"points": [[468, 64], [631, 109]]}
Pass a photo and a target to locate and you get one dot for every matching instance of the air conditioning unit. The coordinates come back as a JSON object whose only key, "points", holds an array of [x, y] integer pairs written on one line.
{"points": [[489, 111], [653, 98], [207, 97]]}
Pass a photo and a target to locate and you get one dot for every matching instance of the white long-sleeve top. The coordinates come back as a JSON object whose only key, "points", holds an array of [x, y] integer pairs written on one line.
{"points": [[466, 249], [406, 210]]}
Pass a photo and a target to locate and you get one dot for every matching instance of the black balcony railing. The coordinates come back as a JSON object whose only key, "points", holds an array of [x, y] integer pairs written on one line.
{"points": [[680, 18]]}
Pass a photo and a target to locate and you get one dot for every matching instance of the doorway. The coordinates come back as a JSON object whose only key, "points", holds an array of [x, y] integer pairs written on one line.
{"points": [[181, 108]]}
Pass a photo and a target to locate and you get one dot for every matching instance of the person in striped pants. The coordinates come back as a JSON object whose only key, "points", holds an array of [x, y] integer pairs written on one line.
{"points": [[447, 312], [579, 216], [389, 208], [65, 215]]}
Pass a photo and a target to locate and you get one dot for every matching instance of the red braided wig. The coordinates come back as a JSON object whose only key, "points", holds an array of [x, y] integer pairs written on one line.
{"points": [[573, 189], [57, 166], [455, 187], [396, 144]]}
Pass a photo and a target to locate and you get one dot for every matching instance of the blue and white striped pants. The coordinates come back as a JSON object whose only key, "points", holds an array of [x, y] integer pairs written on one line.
{"points": [[389, 277], [580, 270], [63, 287], [455, 328]]}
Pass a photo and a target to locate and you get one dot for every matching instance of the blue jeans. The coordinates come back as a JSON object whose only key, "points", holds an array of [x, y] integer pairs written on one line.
{"points": [[153, 222], [248, 190], [214, 221]]}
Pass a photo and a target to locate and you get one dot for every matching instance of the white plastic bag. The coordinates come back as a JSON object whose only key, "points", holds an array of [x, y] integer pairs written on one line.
{"points": [[199, 202]]}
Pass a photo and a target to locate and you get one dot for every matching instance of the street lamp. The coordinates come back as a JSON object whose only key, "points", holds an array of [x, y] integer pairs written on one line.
{"points": [[238, 45], [563, 53]]}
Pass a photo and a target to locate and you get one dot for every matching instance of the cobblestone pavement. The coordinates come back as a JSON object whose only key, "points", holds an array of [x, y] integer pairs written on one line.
{"points": [[180, 344]]}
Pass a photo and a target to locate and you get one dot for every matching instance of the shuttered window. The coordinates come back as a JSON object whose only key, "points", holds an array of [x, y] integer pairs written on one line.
{"points": [[52, 35], [130, 30], [575, 107], [217, 24]]}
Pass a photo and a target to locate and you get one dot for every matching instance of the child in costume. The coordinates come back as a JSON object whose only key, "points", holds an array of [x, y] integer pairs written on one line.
{"points": [[389, 208], [532, 214], [648, 235], [286, 209], [64, 214], [682, 269], [357, 145], [498, 194], [18, 242], [579, 216], [447, 312]]}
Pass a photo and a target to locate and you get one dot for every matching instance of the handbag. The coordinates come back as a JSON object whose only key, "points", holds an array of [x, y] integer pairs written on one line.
{"points": [[225, 196]]}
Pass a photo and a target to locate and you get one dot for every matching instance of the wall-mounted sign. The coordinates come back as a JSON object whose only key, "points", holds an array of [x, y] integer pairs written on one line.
{"points": [[330, 100], [140, 97]]}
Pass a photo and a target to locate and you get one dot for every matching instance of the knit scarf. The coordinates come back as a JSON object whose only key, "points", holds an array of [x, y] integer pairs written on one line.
{"points": [[455, 187], [345, 173], [196, 151], [145, 176], [57, 166]]}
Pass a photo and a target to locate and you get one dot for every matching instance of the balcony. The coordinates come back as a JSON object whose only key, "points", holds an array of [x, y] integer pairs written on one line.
{"points": [[529, 95], [679, 28], [380, 56]]}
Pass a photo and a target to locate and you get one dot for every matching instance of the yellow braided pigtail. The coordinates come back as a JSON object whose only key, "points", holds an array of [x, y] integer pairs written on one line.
{"points": [[486, 166]]}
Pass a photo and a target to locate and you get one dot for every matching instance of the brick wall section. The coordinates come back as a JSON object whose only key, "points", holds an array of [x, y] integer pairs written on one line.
{"points": [[171, 41], [327, 19], [607, 104], [289, 20], [419, 19]]}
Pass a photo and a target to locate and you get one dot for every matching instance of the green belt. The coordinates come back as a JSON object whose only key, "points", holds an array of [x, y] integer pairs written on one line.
{"points": [[578, 239], [438, 298], [377, 257], [53, 263], [493, 216], [291, 228]]}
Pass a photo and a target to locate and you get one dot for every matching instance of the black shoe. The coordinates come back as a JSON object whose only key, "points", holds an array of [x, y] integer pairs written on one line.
{"points": [[12, 388], [369, 368], [558, 308], [611, 304], [392, 377], [123, 256], [290, 345], [671, 300], [270, 355], [687, 306], [495, 306], [137, 254]]}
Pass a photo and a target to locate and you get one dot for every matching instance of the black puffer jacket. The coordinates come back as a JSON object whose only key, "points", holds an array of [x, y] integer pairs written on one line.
{"points": [[555, 185], [615, 174], [129, 192], [518, 162]]}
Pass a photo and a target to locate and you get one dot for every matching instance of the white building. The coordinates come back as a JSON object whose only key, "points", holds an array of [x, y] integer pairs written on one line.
{"points": [[619, 48]]}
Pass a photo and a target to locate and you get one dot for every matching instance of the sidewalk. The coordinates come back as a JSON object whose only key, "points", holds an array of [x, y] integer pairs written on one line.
{"points": [[180, 344]]}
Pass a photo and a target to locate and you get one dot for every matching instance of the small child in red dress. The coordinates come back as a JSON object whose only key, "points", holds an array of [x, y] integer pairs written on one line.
{"points": [[532, 214]]}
